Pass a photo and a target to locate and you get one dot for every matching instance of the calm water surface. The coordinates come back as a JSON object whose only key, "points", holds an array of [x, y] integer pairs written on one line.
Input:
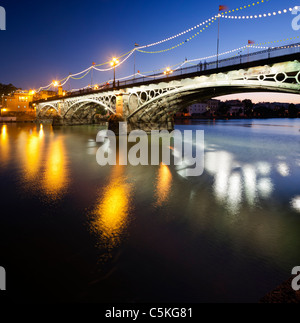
{"points": [[74, 231]]}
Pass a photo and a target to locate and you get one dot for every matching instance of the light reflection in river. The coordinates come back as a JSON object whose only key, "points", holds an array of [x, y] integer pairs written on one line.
{"points": [[163, 186], [4, 147], [111, 215], [33, 152], [242, 215], [296, 203], [236, 182], [56, 175]]}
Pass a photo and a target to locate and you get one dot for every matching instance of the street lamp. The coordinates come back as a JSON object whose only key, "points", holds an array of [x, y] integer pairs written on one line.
{"points": [[113, 64], [168, 71]]}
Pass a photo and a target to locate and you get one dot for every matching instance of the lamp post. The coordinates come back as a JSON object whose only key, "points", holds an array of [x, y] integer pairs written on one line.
{"points": [[58, 85], [113, 64]]}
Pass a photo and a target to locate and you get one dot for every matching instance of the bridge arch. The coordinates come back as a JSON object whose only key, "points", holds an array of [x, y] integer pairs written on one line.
{"points": [[45, 109], [85, 102], [181, 97]]}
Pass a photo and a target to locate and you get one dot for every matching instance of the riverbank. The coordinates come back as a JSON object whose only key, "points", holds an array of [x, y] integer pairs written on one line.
{"points": [[231, 118], [282, 294]]}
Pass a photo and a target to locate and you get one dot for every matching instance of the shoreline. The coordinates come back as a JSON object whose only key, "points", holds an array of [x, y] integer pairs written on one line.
{"points": [[282, 294]]}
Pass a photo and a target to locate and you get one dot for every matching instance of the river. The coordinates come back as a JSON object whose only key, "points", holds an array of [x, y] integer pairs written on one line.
{"points": [[72, 230]]}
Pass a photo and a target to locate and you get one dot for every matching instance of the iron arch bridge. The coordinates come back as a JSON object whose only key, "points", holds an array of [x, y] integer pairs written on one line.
{"points": [[149, 103]]}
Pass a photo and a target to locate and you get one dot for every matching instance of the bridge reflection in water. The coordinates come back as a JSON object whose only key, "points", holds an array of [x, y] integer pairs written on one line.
{"points": [[242, 213]]}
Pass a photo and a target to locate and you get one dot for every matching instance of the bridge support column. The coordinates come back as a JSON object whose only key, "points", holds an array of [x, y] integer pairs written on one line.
{"points": [[167, 124], [121, 112]]}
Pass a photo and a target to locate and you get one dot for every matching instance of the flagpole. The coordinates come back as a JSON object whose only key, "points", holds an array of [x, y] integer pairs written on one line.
{"points": [[135, 45], [134, 64], [218, 41]]}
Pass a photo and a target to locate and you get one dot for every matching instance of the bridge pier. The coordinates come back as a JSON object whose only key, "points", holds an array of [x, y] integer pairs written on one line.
{"points": [[148, 126]]}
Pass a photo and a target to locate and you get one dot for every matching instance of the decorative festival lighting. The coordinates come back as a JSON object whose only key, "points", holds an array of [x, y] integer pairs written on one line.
{"points": [[258, 16], [201, 26]]}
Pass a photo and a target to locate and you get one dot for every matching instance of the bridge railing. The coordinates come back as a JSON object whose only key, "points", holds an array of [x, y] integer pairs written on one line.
{"points": [[202, 66]]}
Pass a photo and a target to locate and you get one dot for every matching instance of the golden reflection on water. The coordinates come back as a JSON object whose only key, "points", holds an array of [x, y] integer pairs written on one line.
{"points": [[163, 186], [56, 175], [112, 213], [4, 147], [33, 154]]}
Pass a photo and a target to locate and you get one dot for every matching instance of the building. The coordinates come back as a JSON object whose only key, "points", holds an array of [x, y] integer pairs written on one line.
{"points": [[20, 101], [198, 108], [213, 105], [17, 101]]}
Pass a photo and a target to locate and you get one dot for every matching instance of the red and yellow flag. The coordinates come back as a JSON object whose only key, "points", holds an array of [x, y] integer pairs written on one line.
{"points": [[251, 42], [222, 8]]}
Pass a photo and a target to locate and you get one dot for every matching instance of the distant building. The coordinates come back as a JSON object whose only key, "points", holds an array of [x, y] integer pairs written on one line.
{"points": [[20, 101], [17, 101], [236, 111], [213, 105], [198, 108]]}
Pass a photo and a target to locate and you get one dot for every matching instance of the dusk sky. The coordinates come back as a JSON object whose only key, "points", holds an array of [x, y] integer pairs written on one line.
{"points": [[48, 40]]}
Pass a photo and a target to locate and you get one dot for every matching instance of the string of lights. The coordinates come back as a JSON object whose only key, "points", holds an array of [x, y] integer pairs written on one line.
{"points": [[182, 43], [201, 24], [207, 24], [259, 16]]}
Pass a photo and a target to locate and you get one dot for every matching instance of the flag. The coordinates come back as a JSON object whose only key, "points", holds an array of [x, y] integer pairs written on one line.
{"points": [[222, 8], [136, 45], [251, 42]]}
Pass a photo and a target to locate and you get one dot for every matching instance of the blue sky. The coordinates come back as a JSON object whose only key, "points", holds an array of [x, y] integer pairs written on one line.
{"points": [[48, 40]]}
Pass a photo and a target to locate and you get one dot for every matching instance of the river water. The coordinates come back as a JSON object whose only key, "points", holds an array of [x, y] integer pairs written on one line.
{"points": [[72, 230]]}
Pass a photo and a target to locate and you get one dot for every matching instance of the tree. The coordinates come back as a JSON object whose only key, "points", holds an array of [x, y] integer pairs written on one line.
{"points": [[248, 107], [224, 108], [7, 89], [293, 111]]}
